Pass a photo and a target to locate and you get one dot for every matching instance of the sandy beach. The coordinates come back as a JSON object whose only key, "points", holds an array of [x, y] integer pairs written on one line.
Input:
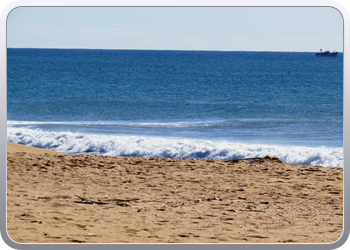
{"points": [[60, 198]]}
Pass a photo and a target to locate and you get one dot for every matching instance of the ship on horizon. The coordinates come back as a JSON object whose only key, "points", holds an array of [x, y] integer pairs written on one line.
{"points": [[327, 53]]}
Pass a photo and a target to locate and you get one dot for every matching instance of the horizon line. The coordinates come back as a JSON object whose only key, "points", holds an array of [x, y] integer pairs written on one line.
{"points": [[171, 49]]}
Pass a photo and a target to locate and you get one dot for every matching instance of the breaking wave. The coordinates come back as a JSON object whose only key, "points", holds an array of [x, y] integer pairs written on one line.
{"points": [[115, 145]]}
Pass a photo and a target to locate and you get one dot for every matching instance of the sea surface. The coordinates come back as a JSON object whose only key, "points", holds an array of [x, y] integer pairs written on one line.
{"points": [[187, 104]]}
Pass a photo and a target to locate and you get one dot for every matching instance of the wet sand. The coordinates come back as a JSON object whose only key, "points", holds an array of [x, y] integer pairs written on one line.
{"points": [[54, 197]]}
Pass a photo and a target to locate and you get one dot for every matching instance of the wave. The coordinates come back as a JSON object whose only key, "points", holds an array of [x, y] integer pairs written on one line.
{"points": [[179, 124], [77, 143], [139, 124]]}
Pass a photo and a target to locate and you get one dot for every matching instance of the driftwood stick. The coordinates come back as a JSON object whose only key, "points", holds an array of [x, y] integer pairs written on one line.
{"points": [[119, 201], [54, 197], [86, 201], [123, 200]]}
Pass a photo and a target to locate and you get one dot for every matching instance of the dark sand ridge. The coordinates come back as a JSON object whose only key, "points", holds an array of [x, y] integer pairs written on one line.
{"points": [[56, 197]]}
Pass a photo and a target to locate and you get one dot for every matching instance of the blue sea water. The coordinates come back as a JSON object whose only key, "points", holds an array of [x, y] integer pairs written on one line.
{"points": [[188, 104]]}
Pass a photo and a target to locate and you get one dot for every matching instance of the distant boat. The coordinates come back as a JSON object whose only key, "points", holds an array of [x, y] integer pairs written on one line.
{"points": [[327, 53]]}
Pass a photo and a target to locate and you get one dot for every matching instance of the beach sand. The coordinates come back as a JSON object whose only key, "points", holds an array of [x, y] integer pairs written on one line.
{"points": [[54, 197]]}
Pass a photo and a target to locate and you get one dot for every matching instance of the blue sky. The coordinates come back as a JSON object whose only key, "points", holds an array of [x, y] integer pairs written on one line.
{"points": [[177, 28]]}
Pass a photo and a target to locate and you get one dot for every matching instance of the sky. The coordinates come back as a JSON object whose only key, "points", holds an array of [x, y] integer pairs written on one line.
{"points": [[177, 28]]}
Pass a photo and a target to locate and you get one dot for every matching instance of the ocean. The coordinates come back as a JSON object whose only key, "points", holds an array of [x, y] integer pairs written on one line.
{"points": [[184, 104]]}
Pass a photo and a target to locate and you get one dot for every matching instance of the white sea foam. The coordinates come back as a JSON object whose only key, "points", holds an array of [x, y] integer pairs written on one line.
{"points": [[179, 124], [139, 124], [170, 147]]}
